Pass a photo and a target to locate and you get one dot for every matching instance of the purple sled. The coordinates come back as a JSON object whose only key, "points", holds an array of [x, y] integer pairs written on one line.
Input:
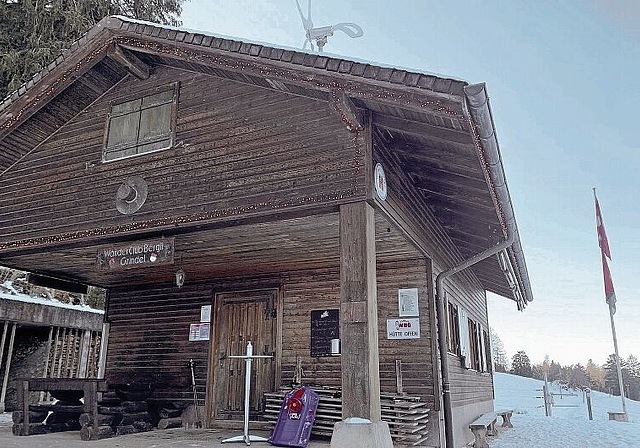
{"points": [[296, 418]]}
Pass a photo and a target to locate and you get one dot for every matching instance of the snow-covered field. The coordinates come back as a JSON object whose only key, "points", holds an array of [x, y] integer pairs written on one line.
{"points": [[569, 425]]}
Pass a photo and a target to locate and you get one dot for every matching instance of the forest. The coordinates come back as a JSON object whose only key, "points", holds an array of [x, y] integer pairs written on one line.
{"points": [[600, 377]]}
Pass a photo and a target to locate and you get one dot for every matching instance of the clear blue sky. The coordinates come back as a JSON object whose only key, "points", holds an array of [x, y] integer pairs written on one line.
{"points": [[563, 78]]}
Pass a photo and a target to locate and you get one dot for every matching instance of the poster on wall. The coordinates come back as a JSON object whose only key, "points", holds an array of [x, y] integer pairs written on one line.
{"points": [[205, 313], [403, 328], [199, 332], [325, 326], [408, 302]]}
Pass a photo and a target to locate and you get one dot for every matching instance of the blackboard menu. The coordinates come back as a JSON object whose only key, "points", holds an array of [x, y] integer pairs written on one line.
{"points": [[325, 325]]}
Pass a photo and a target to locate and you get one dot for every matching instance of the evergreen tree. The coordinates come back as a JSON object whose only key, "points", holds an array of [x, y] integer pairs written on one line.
{"points": [[630, 377], [578, 377], [554, 373], [521, 365], [498, 353], [596, 376], [34, 33]]}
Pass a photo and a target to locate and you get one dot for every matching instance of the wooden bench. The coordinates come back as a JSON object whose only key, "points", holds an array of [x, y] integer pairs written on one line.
{"points": [[506, 417], [483, 426]]}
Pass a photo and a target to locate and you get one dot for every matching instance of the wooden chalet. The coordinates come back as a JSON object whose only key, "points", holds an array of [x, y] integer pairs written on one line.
{"points": [[296, 197]]}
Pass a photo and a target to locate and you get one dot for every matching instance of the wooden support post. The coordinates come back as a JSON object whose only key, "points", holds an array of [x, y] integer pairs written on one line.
{"points": [[359, 313], [22, 397], [7, 367], [91, 402], [359, 333]]}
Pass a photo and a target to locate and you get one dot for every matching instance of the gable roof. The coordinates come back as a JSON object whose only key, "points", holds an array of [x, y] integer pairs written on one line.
{"points": [[441, 129]]}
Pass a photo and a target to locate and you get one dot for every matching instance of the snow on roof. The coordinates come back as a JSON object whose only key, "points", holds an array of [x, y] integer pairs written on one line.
{"points": [[19, 297], [285, 47]]}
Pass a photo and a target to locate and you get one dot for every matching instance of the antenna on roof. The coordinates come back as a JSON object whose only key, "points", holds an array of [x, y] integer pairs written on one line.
{"points": [[321, 34]]}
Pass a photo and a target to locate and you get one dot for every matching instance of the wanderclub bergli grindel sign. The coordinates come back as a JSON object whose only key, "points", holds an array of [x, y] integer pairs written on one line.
{"points": [[134, 254]]}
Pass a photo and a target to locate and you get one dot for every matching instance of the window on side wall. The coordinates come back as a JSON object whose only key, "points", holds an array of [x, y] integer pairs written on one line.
{"points": [[487, 351], [141, 125], [474, 349], [453, 337]]}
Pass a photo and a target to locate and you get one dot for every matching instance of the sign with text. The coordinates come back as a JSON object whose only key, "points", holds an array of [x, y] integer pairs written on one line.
{"points": [[199, 332], [403, 328], [136, 254], [408, 302], [205, 313], [325, 326]]}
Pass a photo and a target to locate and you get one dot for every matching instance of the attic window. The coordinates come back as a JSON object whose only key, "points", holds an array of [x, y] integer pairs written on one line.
{"points": [[142, 125]]}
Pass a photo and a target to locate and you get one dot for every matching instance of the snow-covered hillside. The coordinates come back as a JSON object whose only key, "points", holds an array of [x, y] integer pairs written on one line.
{"points": [[569, 425]]}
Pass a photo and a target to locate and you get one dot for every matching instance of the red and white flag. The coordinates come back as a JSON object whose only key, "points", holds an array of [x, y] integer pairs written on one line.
{"points": [[609, 292]]}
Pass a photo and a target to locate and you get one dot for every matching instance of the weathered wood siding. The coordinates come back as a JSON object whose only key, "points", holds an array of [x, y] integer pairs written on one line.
{"points": [[404, 204], [415, 354], [238, 150], [468, 386], [149, 339], [320, 289]]}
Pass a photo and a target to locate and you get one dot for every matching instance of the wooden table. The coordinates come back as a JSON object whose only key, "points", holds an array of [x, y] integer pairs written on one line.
{"points": [[88, 386]]}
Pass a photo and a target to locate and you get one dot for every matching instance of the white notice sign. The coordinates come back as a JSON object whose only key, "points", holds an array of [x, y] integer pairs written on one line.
{"points": [[199, 332], [205, 313], [403, 328], [408, 302]]}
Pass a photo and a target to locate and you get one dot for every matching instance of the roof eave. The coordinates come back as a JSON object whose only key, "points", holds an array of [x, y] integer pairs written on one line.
{"points": [[481, 120]]}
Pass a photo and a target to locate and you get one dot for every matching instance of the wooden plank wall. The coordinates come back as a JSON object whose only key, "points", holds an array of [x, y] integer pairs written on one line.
{"points": [[464, 289], [239, 150], [303, 292], [320, 289], [416, 354], [149, 339]]}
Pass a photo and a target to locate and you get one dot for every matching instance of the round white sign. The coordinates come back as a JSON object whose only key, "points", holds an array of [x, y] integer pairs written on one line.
{"points": [[380, 182]]}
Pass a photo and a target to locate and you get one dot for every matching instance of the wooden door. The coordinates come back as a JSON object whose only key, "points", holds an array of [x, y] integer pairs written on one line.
{"points": [[241, 318]]}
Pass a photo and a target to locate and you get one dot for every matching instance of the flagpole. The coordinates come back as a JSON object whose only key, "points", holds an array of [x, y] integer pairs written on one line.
{"points": [[620, 381], [604, 248]]}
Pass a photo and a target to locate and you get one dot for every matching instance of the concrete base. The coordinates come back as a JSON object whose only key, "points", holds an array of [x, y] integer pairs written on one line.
{"points": [[361, 433], [618, 416]]}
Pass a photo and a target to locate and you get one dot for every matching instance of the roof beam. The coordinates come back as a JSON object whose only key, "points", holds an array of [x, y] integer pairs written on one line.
{"points": [[129, 60], [422, 130], [344, 107]]}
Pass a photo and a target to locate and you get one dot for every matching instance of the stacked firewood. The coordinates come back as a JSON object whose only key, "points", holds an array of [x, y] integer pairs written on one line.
{"points": [[124, 411], [169, 417], [37, 415], [63, 415]]}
